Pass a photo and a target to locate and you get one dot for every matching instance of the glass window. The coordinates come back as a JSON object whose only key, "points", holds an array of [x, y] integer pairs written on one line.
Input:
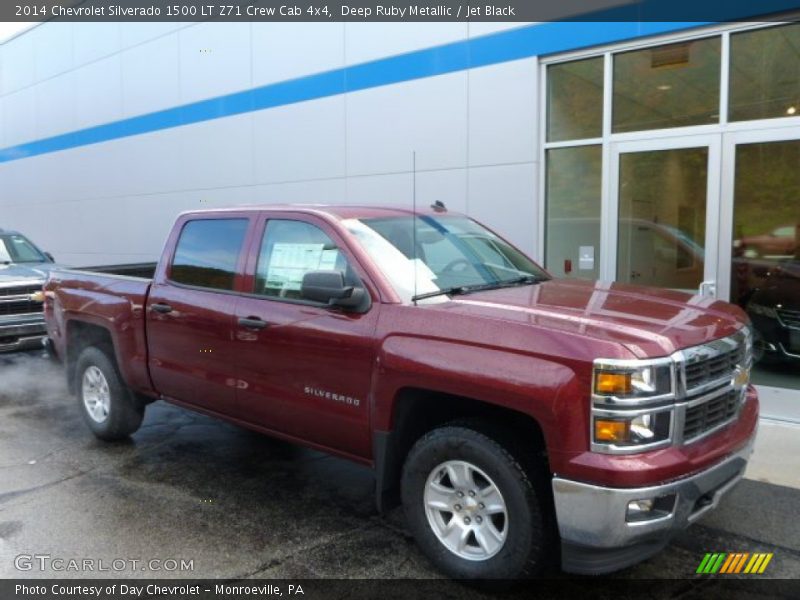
{"points": [[15, 248], [765, 73], [573, 211], [289, 250], [430, 253], [765, 270], [667, 86], [662, 217], [207, 253], [575, 100]]}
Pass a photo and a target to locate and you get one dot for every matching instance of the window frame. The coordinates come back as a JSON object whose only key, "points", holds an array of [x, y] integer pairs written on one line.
{"points": [[166, 277], [608, 138]]}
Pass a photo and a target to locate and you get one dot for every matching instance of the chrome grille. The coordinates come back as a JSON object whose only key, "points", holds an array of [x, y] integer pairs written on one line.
{"points": [[790, 318], [712, 395], [714, 368], [710, 414], [16, 300]]}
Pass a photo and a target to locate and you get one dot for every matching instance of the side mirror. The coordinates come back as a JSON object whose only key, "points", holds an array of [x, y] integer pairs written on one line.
{"points": [[49, 257], [329, 287]]}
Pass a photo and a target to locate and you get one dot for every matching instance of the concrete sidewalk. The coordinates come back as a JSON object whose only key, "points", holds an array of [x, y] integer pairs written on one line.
{"points": [[776, 458]]}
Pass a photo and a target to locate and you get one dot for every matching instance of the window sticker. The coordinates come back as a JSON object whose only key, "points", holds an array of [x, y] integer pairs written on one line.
{"points": [[289, 262]]}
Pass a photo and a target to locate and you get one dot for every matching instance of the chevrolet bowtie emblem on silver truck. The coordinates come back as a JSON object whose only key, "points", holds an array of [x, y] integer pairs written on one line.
{"points": [[319, 393]]}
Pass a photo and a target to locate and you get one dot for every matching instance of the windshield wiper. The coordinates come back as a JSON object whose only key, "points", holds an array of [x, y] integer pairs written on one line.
{"points": [[466, 289], [524, 280], [451, 291]]}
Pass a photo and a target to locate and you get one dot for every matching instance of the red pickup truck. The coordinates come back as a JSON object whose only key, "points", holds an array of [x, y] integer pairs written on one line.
{"points": [[513, 415]]}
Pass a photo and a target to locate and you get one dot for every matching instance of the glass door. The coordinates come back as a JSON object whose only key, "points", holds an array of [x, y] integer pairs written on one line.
{"points": [[760, 247], [662, 213]]}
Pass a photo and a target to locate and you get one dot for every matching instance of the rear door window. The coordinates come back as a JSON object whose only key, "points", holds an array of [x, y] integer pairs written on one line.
{"points": [[207, 253]]}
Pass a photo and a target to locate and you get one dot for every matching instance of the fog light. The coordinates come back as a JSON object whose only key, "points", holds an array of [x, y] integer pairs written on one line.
{"points": [[638, 508], [650, 508]]}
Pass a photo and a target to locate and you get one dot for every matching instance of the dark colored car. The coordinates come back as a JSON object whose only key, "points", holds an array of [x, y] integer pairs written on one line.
{"points": [[775, 311], [23, 270]]}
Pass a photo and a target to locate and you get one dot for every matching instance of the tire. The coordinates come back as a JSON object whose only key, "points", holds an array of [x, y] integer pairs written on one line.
{"points": [[107, 405], [454, 460]]}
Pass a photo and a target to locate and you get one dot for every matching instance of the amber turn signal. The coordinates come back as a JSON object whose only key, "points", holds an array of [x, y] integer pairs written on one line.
{"points": [[611, 431], [612, 383]]}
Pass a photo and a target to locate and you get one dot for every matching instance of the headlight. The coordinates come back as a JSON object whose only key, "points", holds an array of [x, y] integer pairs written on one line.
{"points": [[643, 429], [632, 404], [760, 309], [635, 382]]}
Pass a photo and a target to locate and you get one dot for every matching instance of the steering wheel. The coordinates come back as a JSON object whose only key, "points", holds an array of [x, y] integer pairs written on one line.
{"points": [[451, 266]]}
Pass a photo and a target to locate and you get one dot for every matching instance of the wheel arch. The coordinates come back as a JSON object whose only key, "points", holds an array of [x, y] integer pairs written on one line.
{"points": [[79, 336], [416, 411]]}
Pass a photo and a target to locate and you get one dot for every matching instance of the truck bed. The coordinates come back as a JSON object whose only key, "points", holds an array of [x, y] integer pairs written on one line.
{"points": [[109, 299], [140, 270]]}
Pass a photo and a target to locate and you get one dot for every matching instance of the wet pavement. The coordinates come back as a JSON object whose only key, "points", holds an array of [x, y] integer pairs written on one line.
{"points": [[241, 505]]}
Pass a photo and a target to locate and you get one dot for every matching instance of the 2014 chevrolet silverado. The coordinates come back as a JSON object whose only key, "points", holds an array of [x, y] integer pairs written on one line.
{"points": [[511, 413], [23, 270]]}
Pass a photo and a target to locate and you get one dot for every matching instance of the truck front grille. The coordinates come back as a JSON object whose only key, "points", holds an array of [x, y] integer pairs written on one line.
{"points": [[16, 300], [710, 414], [715, 368], [790, 318]]}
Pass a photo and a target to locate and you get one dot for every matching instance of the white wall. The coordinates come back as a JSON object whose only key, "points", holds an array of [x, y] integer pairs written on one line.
{"points": [[474, 132]]}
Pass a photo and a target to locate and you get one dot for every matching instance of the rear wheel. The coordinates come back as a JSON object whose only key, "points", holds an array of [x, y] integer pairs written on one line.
{"points": [[472, 507], [109, 408]]}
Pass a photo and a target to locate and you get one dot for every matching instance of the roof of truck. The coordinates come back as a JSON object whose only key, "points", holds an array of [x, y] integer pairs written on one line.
{"points": [[343, 211]]}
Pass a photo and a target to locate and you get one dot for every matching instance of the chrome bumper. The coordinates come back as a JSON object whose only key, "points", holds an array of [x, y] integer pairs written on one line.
{"points": [[22, 334], [597, 536]]}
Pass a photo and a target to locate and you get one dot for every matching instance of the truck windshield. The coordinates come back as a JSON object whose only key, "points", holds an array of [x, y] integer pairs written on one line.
{"points": [[439, 253], [14, 248]]}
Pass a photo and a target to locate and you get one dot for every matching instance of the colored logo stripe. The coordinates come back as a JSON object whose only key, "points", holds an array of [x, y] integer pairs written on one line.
{"points": [[735, 562]]}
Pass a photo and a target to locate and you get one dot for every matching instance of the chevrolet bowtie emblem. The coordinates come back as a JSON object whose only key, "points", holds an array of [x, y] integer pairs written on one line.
{"points": [[741, 377]]}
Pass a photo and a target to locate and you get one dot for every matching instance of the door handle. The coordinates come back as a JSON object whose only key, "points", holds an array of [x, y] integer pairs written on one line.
{"points": [[252, 323], [160, 307]]}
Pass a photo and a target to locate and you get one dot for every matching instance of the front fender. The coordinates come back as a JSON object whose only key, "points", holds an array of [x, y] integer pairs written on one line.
{"points": [[541, 388]]}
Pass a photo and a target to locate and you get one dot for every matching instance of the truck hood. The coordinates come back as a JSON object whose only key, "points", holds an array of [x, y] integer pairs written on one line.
{"points": [[24, 274], [650, 322]]}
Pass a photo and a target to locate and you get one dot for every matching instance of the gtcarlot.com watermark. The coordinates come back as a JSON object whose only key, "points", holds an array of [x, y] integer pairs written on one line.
{"points": [[58, 564]]}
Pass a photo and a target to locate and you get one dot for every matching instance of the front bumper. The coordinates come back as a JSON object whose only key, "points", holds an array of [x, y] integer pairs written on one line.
{"points": [[597, 538], [26, 333]]}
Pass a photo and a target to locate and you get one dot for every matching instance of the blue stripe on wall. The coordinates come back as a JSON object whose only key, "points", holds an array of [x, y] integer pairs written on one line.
{"points": [[523, 42]]}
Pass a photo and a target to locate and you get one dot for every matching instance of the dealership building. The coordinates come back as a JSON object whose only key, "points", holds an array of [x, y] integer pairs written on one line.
{"points": [[666, 154]]}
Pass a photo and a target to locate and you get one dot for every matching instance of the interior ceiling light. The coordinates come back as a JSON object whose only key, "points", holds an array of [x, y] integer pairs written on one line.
{"points": [[674, 55]]}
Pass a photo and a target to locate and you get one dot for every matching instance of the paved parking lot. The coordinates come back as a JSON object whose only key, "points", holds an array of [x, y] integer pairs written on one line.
{"points": [[241, 505]]}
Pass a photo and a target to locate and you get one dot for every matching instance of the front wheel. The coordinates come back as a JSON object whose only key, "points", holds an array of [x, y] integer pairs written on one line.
{"points": [[475, 511], [108, 407]]}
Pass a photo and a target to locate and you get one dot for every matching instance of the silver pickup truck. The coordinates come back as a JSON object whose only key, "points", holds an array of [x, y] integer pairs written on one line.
{"points": [[23, 269]]}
